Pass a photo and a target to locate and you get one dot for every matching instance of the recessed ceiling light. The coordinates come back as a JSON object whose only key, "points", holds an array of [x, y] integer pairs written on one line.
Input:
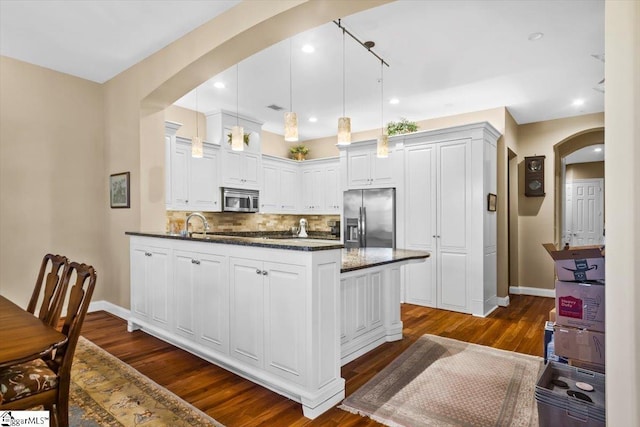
{"points": [[219, 85], [313, 119], [307, 48], [535, 36], [597, 149], [578, 102], [394, 101]]}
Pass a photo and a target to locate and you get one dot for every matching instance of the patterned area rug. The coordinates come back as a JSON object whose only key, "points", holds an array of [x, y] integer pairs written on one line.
{"points": [[107, 392], [444, 382]]}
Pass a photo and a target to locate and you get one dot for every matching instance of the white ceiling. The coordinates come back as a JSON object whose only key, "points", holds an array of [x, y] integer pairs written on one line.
{"points": [[446, 57], [592, 153]]}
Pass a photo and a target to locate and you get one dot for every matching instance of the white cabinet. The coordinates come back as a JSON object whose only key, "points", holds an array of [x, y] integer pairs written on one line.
{"points": [[240, 169], [366, 170], [151, 272], [321, 192], [193, 183], [201, 298], [267, 319], [448, 175], [280, 186]]}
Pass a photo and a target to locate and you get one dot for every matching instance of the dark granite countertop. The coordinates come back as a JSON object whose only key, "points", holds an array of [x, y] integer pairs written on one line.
{"points": [[265, 240], [352, 259], [360, 258]]}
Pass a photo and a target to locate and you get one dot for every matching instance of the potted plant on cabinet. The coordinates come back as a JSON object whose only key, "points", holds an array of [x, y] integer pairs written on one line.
{"points": [[245, 137], [298, 152], [400, 127]]}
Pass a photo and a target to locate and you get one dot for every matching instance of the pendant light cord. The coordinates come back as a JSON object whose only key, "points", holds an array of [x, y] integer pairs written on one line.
{"points": [[344, 78], [237, 94], [197, 134], [290, 78], [381, 97]]}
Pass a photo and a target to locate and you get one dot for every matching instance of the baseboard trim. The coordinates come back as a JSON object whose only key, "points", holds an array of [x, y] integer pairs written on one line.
{"points": [[503, 301], [116, 310], [536, 292]]}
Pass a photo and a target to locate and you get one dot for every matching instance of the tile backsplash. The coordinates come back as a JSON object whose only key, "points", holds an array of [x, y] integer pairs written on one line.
{"points": [[232, 221]]}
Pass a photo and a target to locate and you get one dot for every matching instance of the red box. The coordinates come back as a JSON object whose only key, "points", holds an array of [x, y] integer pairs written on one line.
{"points": [[579, 344], [577, 263], [580, 305]]}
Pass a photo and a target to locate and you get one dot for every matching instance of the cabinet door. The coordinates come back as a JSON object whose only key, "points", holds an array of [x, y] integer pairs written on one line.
{"points": [[289, 190], [247, 308], [232, 163], [204, 191], [285, 320], [454, 188], [184, 280], [374, 300], [270, 195], [359, 169], [180, 175], [251, 170], [212, 301], [332, 193], [420, 223], [382, 171], [150, 280], [312, 190]]}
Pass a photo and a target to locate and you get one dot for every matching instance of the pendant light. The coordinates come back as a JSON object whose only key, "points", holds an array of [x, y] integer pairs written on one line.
{"points": [[383, 140], [237, 132], [197, 150], [290, 118], [344, 123]]}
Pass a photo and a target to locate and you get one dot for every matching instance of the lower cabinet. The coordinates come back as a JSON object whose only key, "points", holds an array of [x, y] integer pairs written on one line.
{"points": [[270, 315]]}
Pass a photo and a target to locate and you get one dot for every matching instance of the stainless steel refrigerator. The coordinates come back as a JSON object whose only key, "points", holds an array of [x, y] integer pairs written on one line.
{"points": [[370, 218]]}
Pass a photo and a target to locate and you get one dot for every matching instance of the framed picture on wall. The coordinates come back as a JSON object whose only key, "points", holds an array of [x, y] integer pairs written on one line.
{"points": [[491, 202], [119, 190]]}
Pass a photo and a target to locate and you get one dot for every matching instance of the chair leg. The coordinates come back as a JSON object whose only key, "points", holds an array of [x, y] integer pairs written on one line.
{"points": [[62, 410]]}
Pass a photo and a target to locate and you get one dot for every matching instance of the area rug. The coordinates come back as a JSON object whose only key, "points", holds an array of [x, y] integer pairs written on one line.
{"points": [[105, 391], [444, 382]]}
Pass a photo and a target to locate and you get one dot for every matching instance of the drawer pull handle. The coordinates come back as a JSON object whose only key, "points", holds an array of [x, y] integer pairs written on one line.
{"points": [[195, 261]]}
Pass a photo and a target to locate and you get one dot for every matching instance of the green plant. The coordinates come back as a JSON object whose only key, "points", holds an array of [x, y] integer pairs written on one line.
{"points": [[245, 137], [400, 127], [299, 149]]}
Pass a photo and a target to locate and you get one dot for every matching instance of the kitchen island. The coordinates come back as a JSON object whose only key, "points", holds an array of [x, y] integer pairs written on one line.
{"points": [[278, 311]]}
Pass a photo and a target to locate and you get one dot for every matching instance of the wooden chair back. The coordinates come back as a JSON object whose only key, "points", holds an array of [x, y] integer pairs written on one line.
{"points": [[54, 289]]}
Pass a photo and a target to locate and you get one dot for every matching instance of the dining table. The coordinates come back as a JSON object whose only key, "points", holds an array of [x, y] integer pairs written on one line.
{"points": [[24, 336]]}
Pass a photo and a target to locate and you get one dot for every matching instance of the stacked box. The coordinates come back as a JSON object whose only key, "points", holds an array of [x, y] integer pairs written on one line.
{"points": [[579, 310]]}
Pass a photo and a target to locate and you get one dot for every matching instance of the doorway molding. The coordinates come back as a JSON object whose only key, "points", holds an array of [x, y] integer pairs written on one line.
{"points": [[561, 150]]}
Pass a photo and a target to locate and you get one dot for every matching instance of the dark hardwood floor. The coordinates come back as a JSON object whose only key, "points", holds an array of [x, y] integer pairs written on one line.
{"points": [[235, 401]]}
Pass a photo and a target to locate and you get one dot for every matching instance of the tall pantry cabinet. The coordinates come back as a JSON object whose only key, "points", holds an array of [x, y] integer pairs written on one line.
{"points": [[448, 175]]}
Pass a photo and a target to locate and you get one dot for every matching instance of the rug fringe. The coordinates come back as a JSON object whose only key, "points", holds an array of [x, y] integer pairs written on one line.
{"points": [[374, 417]]}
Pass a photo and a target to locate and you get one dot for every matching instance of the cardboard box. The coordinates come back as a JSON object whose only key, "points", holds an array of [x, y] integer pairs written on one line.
{"points": [[552, 315], [579, 344], [548, 350], [577, 263], [580, 305]]}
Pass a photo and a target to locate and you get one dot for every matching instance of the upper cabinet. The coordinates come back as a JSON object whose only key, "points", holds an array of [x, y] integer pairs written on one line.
{"points": [[191, 184], [321, 191], [365, 170], [280, 191], [240, 169]]}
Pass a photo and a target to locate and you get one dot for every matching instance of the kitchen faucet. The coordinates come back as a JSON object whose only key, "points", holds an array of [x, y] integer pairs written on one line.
{"points": [[205, 224], [303, 228]]}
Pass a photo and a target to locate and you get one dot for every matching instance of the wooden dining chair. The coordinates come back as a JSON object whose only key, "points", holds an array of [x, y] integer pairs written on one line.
{"points": [[46, 381], [54, 289]]}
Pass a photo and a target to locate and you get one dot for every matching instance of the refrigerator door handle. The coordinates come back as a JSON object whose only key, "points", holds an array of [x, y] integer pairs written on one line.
{"points": [[360, 227], [364, 227]]}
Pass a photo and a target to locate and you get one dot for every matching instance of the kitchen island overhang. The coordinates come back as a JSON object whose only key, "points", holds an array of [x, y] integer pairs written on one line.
{"points": [[280, 314]]}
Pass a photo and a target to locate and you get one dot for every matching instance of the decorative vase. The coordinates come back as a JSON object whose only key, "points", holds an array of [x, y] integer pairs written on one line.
{"points": [[299, 156]]}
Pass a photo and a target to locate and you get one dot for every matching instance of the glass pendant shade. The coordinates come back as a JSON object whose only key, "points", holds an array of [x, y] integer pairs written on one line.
{"points": [[196, 147], [383, 146], [290, 127], [237, 138], [344, 130]]}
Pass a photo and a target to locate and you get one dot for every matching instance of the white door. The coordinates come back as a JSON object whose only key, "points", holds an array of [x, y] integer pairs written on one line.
{"points": [[180, 175], [184, 271], [289, 190], [203, 184], [212, 293], [568, 215], [359, 170], [270, 195], [587, 220]]}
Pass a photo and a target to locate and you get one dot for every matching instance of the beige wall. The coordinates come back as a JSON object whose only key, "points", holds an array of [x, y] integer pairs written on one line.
{"points": [[584, 171], [622, 201], [536, 222], [187, 117], [53, 188]]}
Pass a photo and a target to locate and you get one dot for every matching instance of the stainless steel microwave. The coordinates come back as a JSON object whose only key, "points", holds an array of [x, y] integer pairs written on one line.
{"points": [[235, 200]]}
